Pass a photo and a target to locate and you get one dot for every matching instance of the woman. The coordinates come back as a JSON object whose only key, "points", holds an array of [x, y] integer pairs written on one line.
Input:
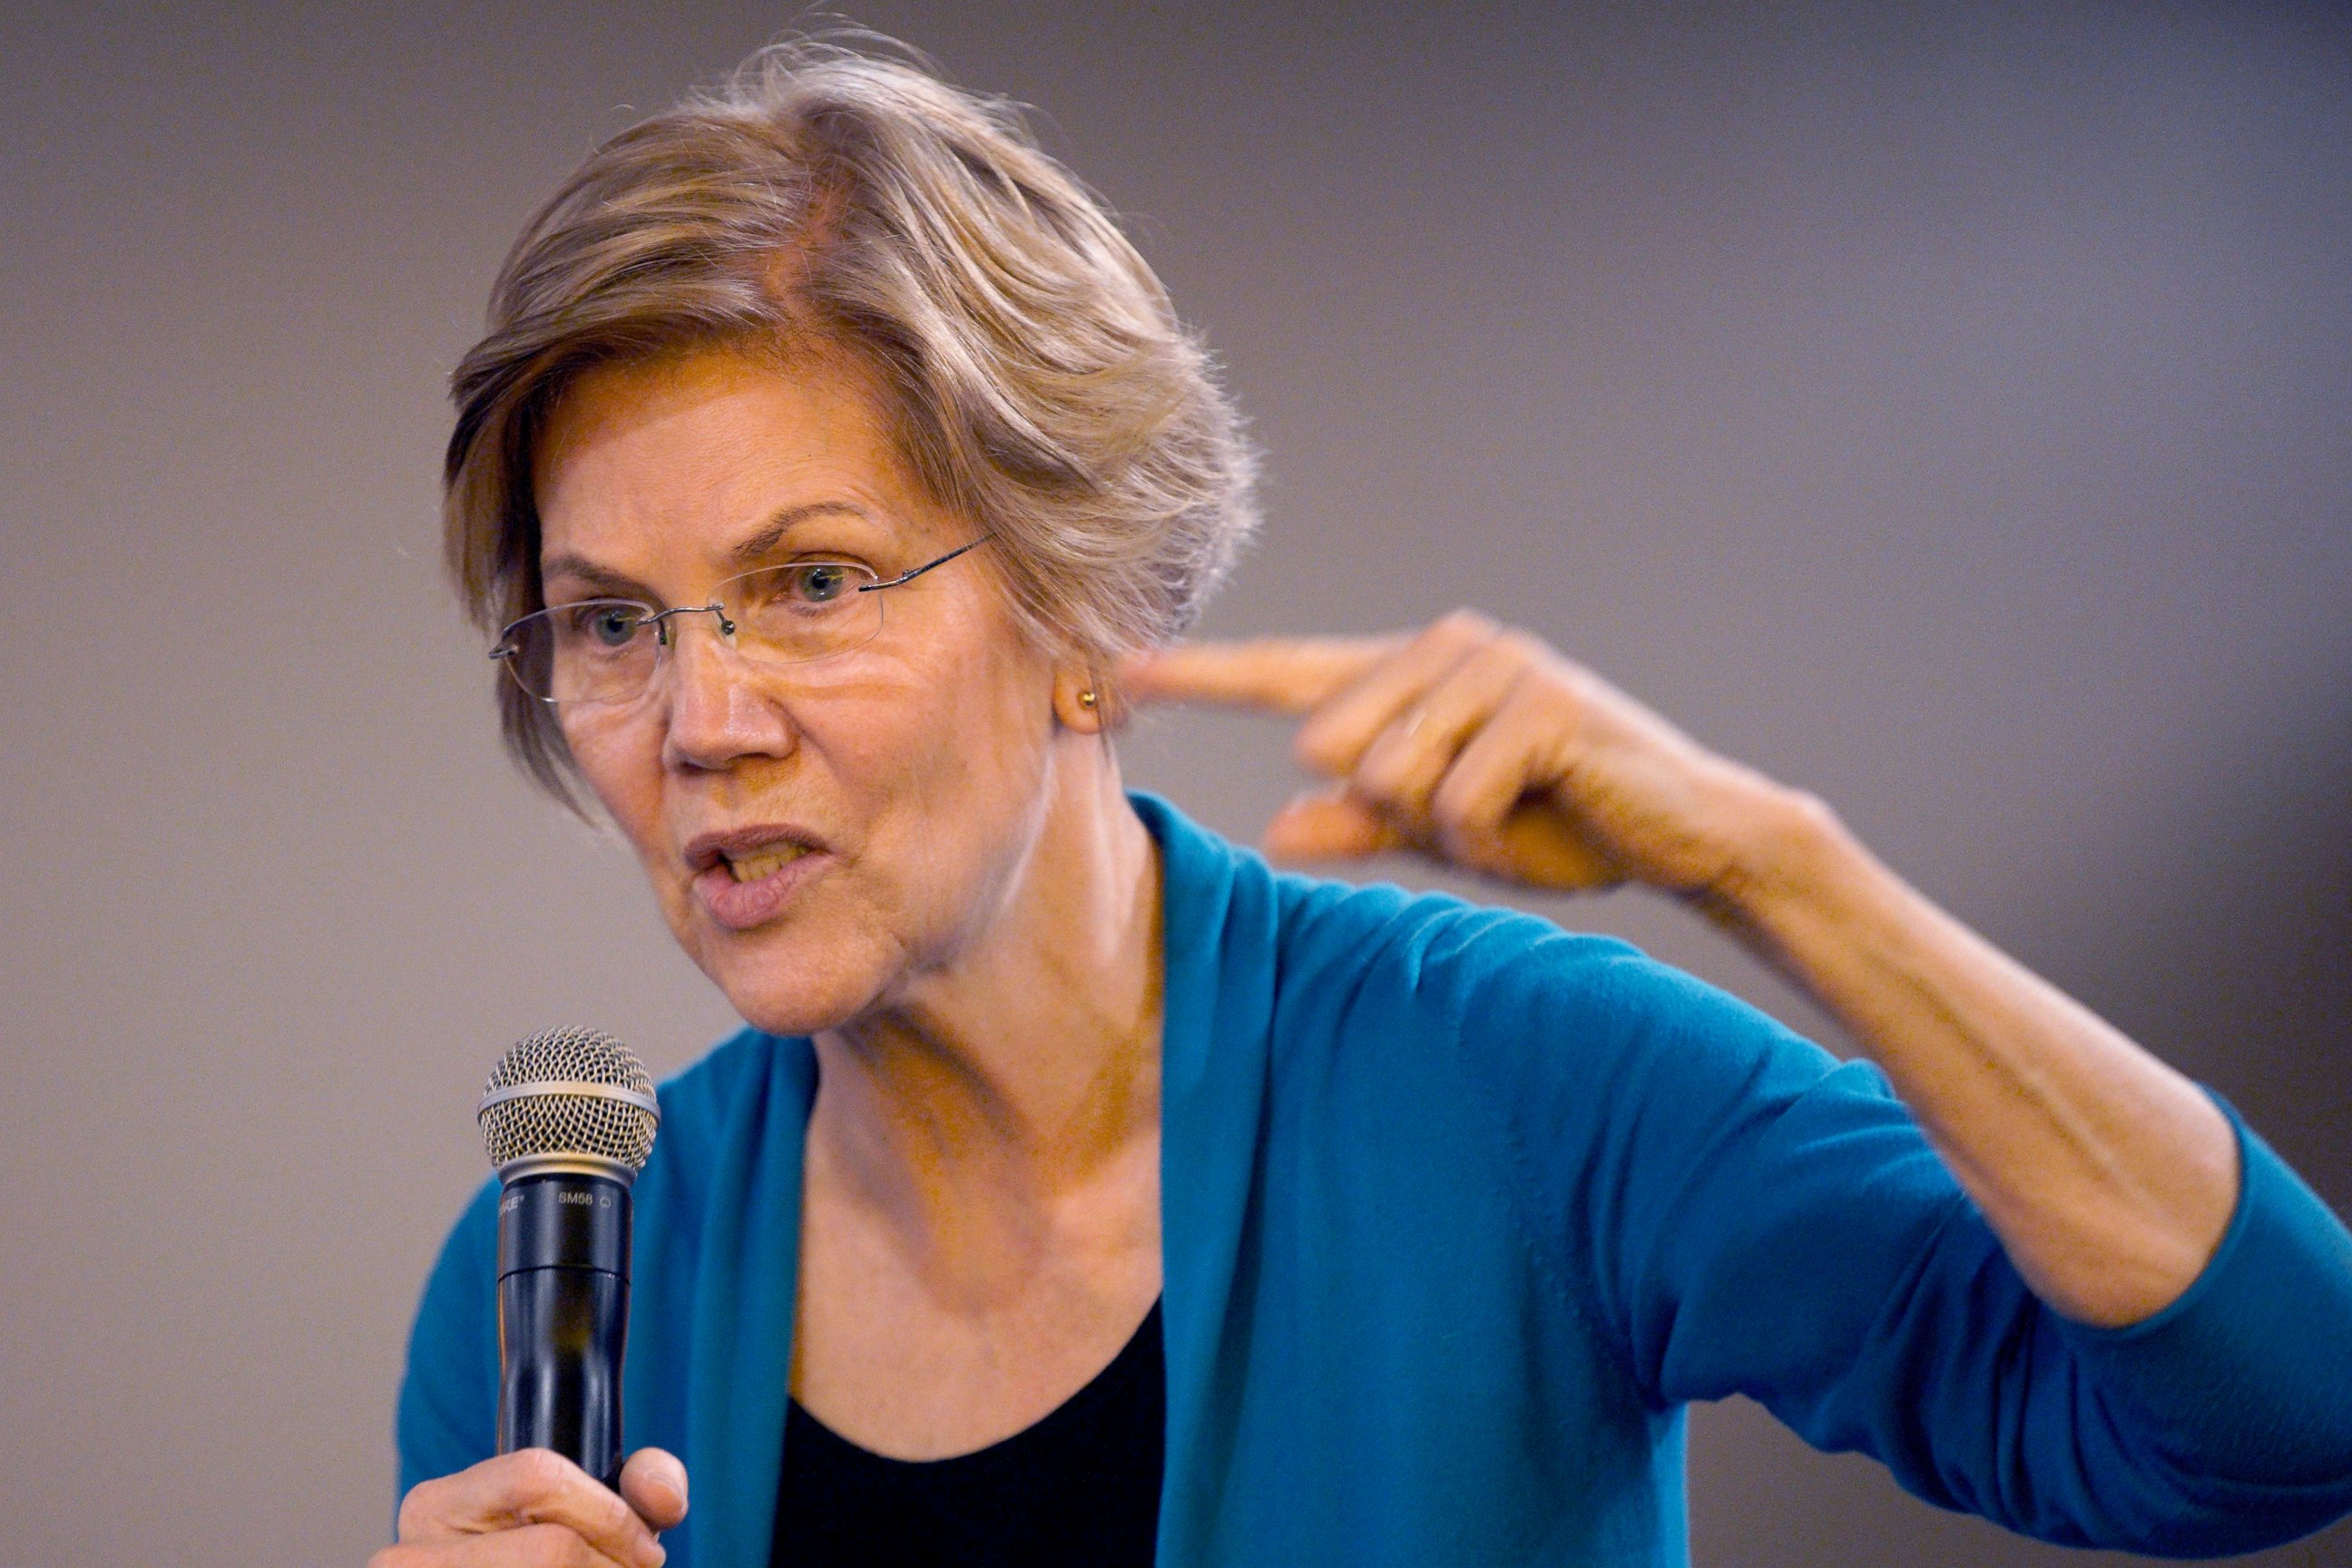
{"points": [[837, 477]]}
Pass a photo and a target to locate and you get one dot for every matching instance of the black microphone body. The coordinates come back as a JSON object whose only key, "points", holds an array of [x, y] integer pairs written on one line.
{"points": [[568, 1121], [564, 1315]]}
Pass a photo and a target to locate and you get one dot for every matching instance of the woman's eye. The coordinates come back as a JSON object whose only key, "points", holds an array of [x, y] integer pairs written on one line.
{"points": [[820, 582], [605, 627]]}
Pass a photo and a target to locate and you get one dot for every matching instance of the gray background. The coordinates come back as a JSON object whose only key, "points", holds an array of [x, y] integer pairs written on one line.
{"points": [[1944, 409]]}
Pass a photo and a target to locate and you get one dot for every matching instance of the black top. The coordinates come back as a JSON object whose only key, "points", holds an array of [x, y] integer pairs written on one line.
{"points": [[1082, 1485]]}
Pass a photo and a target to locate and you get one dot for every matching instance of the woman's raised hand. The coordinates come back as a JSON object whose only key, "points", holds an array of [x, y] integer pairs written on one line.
{"points": [[1478, 744], [534, 1509]]}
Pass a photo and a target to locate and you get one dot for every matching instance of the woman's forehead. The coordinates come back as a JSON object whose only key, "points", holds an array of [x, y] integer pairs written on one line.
{"points": [[721, 456]]}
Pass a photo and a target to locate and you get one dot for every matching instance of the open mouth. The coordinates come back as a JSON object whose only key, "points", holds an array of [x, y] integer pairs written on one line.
{"points": [[752, 865], [746, 877]]}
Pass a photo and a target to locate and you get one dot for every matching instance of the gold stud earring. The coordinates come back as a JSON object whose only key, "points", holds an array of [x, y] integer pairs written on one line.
{"points": [[1085, 699]]}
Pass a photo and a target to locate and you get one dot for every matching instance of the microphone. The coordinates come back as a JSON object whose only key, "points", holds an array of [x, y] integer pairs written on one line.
{"points": [[567, 1119]]}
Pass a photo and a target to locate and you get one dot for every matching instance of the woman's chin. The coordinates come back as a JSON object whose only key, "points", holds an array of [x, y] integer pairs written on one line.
{"points": [[825, 963], [784, 992]]}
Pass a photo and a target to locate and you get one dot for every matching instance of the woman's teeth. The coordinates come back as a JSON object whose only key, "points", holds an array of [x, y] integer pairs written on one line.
{"points": [[759, 863]]}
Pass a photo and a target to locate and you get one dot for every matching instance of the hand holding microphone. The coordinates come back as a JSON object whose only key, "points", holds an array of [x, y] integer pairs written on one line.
{"points": [[534, 1507], [568, 1120]]}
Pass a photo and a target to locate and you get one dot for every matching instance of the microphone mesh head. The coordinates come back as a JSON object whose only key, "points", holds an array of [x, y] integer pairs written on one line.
{"points": [[569, 1091]]}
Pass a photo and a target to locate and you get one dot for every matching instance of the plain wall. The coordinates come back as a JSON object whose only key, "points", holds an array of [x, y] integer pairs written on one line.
{"points": [[1943, 408]]}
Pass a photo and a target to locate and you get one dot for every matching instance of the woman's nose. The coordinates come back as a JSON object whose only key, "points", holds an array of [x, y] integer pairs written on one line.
{"points": [[718, 713]]}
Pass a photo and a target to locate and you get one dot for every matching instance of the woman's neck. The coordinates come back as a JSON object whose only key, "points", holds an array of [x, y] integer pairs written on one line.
{"points": [[1028, 1065]]}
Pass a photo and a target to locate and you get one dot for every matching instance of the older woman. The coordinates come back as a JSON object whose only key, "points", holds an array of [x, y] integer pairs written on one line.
{"points": [[836, 476]]}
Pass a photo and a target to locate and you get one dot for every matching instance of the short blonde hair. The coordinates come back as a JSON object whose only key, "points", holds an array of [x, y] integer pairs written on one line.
{"points": [[1038, 378]]}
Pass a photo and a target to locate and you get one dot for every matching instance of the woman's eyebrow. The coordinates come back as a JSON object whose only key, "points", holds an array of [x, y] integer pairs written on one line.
{"points": [[621, 585], [601, 578], [772, 531]]}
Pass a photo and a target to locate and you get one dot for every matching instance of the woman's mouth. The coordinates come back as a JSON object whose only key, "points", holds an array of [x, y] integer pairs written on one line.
{"points": [[744, 881]]}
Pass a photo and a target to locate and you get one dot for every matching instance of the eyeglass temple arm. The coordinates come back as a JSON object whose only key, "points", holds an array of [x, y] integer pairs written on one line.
{"points": [[912, 572]]}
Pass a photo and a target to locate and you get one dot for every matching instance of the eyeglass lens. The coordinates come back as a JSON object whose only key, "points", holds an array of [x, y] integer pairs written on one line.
{"points": [[605, 650]]}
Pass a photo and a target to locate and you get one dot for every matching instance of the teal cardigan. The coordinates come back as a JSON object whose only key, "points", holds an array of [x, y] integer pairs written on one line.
{"points": [[1459, 1210]]}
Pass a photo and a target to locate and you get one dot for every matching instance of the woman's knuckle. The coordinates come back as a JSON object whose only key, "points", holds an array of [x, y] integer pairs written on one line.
{"points": [[1449, 802], [1534, 704], [1461, 629], [537, 1472], [1521, 646], [539, 1468], [1578, 684], [1449, 809], [1319, 745], [422, 1505], [1381, 766]]}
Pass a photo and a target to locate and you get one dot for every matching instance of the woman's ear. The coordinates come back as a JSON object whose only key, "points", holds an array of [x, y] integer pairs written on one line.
{"points": [[1081, 700]]}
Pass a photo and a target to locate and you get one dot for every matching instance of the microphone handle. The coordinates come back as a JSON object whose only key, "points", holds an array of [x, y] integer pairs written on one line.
{"points": [[563, 1316]]}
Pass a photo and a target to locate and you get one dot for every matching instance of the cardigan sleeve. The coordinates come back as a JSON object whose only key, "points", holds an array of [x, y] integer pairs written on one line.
{"points": [[447, 1416], [1750, 1217]]}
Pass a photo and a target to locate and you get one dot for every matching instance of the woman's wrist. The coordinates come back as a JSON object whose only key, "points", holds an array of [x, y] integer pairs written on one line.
{"points": [[1790, 857]]}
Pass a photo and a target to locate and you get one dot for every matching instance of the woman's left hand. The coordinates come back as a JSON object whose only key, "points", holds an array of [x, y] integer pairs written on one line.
{"points": [[1478, 744]]}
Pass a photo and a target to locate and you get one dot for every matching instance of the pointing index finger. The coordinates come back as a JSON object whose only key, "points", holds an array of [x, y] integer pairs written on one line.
{"points": [[1286, 675]]}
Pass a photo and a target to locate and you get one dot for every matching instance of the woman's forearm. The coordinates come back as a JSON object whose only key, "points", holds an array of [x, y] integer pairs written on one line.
{"points": [[2108, 1176]]}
